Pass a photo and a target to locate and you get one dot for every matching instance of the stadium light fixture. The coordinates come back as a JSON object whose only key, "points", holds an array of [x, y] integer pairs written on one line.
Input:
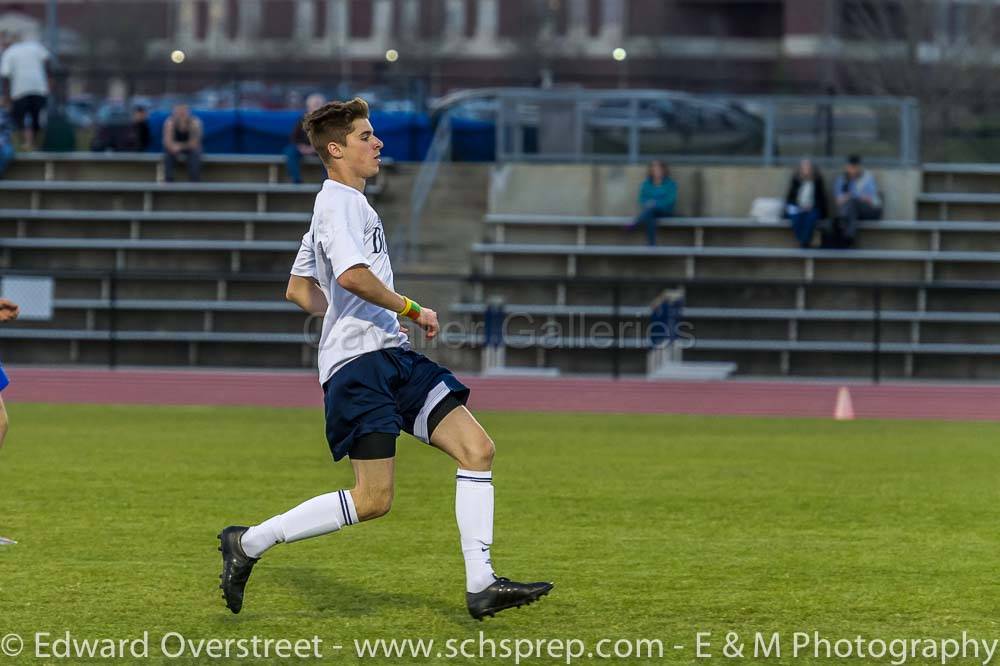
{"points": [[177, 56], [392, 55], [619, 54]]}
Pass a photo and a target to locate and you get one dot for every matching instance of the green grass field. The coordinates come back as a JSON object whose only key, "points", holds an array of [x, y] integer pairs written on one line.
{"points": [[652, 527]]}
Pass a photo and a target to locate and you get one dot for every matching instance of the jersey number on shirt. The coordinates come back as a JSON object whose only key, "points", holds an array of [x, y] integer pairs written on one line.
{"points": [[378, 241]]}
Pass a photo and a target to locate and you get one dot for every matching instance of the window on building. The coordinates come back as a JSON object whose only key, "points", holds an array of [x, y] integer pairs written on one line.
{"points": [[319, 19], [471, 17], [201, 20], [277, 19], [232, 19], [517, 16], [594, 14], [760, 19], [361, 17], [870, 19], [431, 18]]}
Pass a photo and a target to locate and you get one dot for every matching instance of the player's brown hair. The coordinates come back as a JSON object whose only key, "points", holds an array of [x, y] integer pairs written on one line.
{"points": [[333, 122]]}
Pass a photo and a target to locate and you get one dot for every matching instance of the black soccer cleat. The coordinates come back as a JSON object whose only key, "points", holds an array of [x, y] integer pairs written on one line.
{"points": [[503, 594], [236, 567]]}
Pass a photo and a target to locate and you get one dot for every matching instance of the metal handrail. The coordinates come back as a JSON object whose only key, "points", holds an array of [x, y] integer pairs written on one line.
{"points": [[439, 150], [512, 119]]}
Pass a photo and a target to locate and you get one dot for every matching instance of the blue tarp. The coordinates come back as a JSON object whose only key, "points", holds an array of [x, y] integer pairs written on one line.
{"points": [[473, 140], [407, 136]]}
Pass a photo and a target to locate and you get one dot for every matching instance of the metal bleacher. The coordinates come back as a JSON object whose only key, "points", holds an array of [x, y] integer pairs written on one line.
{"points": [[148, 272], [920, 293], [179, 273], [129, 166]]}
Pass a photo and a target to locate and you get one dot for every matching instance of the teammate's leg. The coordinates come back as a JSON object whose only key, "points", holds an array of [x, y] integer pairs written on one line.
{"points": [[3, 422], [454, 430]]}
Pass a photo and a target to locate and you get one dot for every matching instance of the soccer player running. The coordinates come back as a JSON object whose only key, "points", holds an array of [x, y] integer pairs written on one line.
{"points": [[8, 312], [374, 384]]}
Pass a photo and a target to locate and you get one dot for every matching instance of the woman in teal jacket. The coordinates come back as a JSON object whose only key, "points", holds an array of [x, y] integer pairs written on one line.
{"points": [[657, 197]]}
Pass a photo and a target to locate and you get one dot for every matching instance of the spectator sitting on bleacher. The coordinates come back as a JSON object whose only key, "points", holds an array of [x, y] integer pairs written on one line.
{"points": [[140, 137], [857, 199], [299, 146], [119, 128], [657, 197], [182, 136], [805, 204]]}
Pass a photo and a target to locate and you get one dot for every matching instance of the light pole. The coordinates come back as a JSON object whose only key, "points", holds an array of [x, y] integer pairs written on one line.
{"points": [[52, 29], [620, 55]]}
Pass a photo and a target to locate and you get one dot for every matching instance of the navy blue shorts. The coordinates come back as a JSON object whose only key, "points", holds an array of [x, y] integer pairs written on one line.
{"points": [[387, 391], [3, 379]]}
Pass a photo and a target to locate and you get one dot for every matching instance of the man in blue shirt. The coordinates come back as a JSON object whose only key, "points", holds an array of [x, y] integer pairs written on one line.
{"points": [[857, 199], [657, 197]]}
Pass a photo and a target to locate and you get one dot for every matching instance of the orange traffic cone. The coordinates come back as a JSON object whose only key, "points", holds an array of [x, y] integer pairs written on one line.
{"points": [[844, 411]]}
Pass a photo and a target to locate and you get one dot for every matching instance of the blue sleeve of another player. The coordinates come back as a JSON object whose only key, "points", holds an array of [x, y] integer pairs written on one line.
{"points": [[3, 379]]}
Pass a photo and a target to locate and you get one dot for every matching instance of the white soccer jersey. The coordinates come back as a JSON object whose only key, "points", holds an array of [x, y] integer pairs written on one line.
{"points": [[346, 231]]}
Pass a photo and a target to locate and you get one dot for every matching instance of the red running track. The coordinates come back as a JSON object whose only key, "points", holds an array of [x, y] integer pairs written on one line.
{"points": [[300, 389]]}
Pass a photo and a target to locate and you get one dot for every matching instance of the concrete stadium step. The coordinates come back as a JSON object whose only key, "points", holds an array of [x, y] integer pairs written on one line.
{"points": [[943, 178], [735, 262], [148, 167], [208, 225], [958, 206], [147, 254], [743, 232], [117, 195], [963, 299]]}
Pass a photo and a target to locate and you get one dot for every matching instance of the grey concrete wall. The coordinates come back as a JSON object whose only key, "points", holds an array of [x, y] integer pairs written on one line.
{"points": [[711, 191]]}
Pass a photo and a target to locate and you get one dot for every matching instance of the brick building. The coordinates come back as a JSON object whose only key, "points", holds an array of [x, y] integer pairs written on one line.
{"points": [[731, 45]]}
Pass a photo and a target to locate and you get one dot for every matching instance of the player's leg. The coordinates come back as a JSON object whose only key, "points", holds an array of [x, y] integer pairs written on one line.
{"points": [[362, 422], [373, 487], [3, 422], [4, 382], [454, 430], [371, 497], [458, 434]]}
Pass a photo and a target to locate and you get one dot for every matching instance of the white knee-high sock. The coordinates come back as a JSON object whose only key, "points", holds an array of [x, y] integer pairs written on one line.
{"points": [[316, 516], [474, 512]]}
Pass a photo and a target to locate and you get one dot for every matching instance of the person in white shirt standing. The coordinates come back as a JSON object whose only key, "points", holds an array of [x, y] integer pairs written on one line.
{"points": [[24, 65], [374, 385]]}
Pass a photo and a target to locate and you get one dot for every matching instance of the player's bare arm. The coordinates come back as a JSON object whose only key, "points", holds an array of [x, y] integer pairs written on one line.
{"points": [[306, 294], [361, 282]]}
